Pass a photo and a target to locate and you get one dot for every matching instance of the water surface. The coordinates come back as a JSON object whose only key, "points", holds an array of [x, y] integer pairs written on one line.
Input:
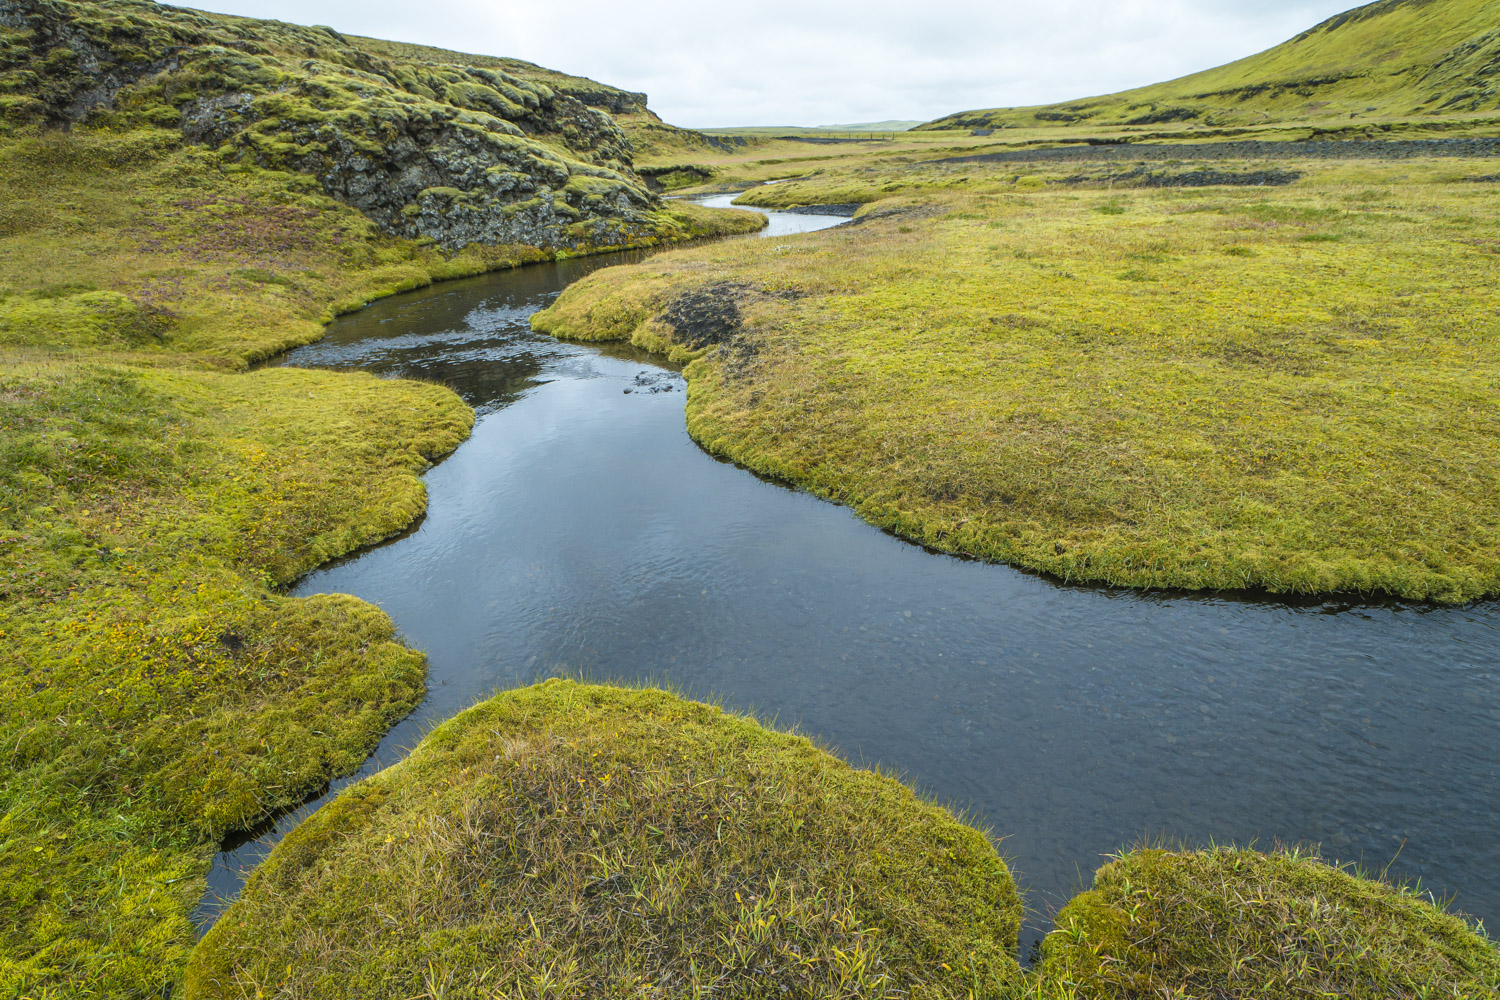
{"points": [[579, 532]]}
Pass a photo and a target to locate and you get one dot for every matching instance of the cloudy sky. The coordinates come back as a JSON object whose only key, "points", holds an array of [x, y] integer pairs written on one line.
{"points": [[819, 62]]}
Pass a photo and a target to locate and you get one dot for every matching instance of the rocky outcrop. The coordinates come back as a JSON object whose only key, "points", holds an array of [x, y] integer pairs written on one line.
{"points": [[454, 152]]}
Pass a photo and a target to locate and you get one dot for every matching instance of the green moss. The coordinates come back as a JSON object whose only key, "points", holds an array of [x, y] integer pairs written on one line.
{"points": [[473, 95], [575, 839], [1224, 922], [85, 319], [159, 694], [447, 193], [1247, 409]]}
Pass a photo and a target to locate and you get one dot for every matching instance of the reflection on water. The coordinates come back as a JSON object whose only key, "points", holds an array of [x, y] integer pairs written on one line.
{"points": [[581, 533]]}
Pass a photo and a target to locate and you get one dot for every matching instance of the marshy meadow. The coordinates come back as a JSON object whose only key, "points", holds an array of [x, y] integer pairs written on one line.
{"points": [[463, 536]]}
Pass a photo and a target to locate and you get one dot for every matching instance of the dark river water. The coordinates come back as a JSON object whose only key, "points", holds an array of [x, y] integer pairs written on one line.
{"points": [[580, 533]]}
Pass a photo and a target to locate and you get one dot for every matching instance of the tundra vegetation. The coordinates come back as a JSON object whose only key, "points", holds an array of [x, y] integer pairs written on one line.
{"points": [[159, 690], [1095, 369], [568, 840], [1147, 374]]}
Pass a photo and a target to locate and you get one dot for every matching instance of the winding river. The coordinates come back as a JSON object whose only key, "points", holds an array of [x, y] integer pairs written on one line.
{"points": [[580, 533]]}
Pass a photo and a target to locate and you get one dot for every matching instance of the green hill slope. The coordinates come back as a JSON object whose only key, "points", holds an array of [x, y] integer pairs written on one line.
{"points": [[427, 143], [1391, 58]]}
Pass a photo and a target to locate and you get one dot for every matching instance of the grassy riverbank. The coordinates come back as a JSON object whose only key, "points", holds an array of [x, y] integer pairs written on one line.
{"points": [[154, 499], [1067, 368], [575, 841]]}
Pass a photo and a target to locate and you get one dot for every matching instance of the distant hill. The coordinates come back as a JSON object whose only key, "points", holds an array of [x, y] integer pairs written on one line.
{"points": [[1391, 58], [894, 125]]}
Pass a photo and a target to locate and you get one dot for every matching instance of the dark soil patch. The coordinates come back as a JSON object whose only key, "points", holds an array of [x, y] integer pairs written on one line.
{"points": [[1141, 177], [1403, 149], [845, 209], [707, 316], [907, 212]]}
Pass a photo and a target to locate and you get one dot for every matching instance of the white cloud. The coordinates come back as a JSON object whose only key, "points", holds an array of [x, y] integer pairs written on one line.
{"points": [[786, 62]]}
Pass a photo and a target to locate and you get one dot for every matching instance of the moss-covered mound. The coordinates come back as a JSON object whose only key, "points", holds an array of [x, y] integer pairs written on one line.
{"points": [[568, 840], [1231, 923]]}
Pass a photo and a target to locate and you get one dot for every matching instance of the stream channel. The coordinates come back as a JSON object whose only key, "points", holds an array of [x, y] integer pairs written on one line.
{"points": [[579, 532]]}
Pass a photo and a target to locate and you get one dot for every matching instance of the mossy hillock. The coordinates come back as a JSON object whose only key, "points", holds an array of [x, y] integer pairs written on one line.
{"points": [[617, 102], [443, 150], [571, 840], [1423, 60], [1223, 922]]}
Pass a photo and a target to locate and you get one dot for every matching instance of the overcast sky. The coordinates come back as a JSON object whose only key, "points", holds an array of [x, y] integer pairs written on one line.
{"points": [[820, 62]]}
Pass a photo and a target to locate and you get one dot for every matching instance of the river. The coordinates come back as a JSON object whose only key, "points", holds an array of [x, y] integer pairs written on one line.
{"points": [[581, 533]]}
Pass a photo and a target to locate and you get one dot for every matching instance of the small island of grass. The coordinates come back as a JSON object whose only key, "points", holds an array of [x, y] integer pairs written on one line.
{"points": [[567, 840]]}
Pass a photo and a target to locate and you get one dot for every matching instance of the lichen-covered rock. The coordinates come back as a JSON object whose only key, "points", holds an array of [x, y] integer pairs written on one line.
{"points": [[456, 152]]}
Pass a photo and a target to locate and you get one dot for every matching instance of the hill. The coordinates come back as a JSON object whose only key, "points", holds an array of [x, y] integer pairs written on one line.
{"points": [[1394, 58], [891, 125], [428, 143]]}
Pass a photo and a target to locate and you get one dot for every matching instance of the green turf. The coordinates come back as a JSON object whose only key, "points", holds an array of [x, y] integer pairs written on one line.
{"points": [[1394, 59], [578, 841], [1284, 926], [570, 841], [1280, 388]]}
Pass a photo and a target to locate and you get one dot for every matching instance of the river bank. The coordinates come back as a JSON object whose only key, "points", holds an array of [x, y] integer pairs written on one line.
{"points": [[589, 840], [551, 549], [155, 500], [1148, 387]]}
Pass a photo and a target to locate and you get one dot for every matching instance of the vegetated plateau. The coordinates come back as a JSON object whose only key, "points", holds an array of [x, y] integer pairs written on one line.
{"points": [[1271, 374]]}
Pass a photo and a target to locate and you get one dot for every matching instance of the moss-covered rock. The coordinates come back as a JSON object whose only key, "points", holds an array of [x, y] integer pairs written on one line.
{"points": [[378, 126], [570, 840], [1233, 923]]}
